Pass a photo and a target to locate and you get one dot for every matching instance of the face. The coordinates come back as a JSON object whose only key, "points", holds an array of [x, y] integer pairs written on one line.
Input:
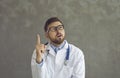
{"points": [[55, 33]]}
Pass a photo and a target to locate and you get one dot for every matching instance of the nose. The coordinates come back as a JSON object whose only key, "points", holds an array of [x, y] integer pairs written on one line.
{"points": [[57, 30]]}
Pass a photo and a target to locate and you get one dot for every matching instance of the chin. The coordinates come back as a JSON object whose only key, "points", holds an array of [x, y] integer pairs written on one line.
{"points": [[58, 41]]}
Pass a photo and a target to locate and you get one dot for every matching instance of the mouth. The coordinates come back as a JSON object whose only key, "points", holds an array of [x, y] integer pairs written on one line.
{"points": [[59, 35]]}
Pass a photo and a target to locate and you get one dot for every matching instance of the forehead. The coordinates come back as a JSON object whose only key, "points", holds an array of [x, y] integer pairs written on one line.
{"points": [[54, 24]]}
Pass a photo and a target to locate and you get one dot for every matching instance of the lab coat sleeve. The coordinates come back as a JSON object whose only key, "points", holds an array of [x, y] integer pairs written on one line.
{"points": [[35, 67], [79, 67], [39, 70]]}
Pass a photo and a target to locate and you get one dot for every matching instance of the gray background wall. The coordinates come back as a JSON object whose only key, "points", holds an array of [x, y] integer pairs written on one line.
{"points": [[92, 25]]}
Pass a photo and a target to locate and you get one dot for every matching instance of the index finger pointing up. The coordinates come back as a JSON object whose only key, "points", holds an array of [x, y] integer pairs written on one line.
{"points": [[38, 39]]}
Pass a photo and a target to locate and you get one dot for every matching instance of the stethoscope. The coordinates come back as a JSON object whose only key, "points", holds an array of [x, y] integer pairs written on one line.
{"points": [[66, 57]]}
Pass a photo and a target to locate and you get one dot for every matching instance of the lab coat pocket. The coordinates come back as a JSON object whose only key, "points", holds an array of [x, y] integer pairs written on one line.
{"points": [[67, 71]]}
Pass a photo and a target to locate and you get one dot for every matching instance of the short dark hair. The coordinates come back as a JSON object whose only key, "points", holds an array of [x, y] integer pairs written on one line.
{"points": [[51, 20]]}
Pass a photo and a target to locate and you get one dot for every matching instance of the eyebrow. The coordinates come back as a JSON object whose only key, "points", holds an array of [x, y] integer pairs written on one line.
{"points": [[56, 26]]}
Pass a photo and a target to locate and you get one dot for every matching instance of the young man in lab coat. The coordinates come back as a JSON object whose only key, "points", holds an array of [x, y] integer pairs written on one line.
{"points": [[57, 58]]}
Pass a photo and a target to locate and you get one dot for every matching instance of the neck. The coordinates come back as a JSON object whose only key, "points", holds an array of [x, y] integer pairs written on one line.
{"points": [[56, 45]]}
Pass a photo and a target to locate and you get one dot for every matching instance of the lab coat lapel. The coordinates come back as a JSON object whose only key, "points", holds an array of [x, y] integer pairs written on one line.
{"points": [[51, 51]]}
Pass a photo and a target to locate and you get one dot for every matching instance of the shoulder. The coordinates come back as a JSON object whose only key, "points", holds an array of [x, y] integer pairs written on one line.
{"points": [[75, 51]]}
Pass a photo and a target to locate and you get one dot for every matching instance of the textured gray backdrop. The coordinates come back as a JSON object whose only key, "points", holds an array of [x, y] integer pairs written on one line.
{"points": [[92, 25]]}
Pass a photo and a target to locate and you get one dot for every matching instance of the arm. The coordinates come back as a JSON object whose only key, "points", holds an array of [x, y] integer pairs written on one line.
{"points": [[79, 67], [34, 66], [37, 66]]}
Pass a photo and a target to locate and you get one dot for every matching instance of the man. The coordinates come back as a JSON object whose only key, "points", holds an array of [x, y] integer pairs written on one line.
{"points": [[57, 58]]}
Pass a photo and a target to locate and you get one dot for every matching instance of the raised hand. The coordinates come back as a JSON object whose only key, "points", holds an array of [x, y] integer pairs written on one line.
{"points": [[40, 49]]}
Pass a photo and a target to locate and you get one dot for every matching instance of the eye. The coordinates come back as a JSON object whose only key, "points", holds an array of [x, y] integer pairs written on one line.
{"points": [[52, 28], [60, 27]]}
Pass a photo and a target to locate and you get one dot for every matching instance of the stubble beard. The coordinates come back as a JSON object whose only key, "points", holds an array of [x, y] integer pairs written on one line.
{"points": [[57, 41]]}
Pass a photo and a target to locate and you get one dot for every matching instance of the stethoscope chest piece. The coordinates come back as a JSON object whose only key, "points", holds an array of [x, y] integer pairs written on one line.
{"points": [[65, 62], [67, 56]]}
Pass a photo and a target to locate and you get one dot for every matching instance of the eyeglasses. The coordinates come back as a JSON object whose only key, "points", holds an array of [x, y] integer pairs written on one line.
{"points": [[55, 28]]}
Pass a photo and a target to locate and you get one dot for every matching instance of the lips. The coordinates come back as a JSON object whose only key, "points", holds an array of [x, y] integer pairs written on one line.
{"points": [[59, 35]]}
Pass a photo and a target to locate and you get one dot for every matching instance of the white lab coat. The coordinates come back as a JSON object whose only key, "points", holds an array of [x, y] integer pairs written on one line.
{"points": [[53, 64]]}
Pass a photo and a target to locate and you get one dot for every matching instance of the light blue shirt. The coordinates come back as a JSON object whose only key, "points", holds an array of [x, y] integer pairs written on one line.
{"points": [[59, 47]]}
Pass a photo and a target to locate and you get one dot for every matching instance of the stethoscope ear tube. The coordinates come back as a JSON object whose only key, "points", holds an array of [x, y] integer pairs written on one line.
{"points": [[46, 43], [67, 53], [67, 56]]}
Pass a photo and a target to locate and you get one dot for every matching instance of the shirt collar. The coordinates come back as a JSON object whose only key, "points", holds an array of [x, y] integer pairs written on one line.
{"points": [[59, 47], [51, 50]]}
